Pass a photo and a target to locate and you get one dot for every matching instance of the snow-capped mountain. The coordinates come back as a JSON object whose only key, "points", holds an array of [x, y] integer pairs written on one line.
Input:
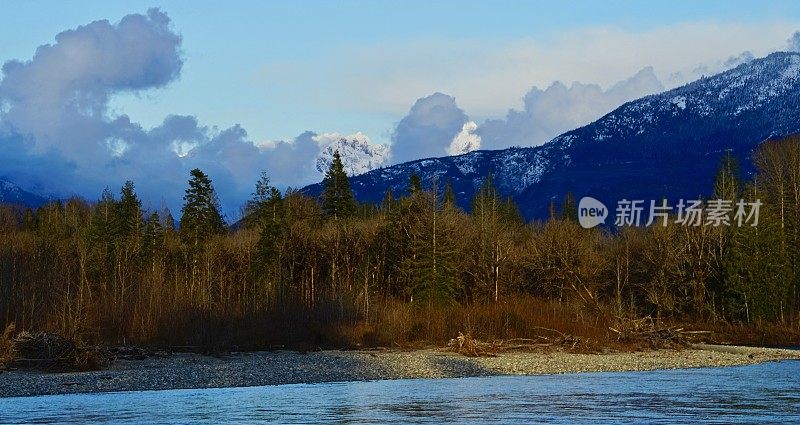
{"points": [[358, 153], [13, 194], [663, 145]]}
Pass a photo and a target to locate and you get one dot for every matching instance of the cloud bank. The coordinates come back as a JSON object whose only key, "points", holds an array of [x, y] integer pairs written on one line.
{"points": [[436, 126]]}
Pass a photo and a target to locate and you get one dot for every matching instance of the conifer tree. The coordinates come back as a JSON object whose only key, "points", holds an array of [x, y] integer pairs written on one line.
{"points": [[169, 220], [434, 278], [758, 268], [200, 216], [337, 197], [272, 224], [414, 184], [128, 218], [153, 235], [257, 210], [449, 196], [569, 210], [103, 221]]}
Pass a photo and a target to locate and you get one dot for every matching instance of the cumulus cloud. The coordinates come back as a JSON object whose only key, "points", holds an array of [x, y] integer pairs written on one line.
{"points": [[61, 94], [55, 120], [428, 129], [58, 136], [558, 108], [466, 140]]}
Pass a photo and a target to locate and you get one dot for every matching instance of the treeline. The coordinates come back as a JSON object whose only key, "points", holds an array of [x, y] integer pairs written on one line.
{"points": [[300, 270]]}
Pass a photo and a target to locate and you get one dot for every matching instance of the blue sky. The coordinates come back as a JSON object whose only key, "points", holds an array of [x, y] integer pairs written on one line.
{"points": [[240, 56]]}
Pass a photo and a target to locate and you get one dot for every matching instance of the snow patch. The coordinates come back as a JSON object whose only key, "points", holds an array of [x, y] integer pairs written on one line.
{"points": [[679, 101]]}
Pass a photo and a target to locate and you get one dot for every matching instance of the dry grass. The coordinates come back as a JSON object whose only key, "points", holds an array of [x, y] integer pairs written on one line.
{"points": [[755, 334], [7, 352], [396, 324]]}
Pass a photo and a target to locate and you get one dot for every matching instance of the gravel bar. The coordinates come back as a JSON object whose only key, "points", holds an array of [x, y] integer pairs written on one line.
{"points": [[286, 367]]}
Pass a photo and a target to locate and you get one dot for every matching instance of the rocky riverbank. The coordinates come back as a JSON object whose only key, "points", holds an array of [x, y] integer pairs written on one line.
{"points": [[274, 368]]}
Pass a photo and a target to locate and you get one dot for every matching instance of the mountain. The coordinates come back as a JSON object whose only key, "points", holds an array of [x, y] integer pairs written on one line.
{"points": [[13, 194], [664, 145], [358, 153]]}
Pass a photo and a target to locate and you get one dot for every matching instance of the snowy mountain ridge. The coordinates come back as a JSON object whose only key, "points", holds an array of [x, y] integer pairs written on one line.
{"points": [[663, 145], [358, 153], [10, 193]]}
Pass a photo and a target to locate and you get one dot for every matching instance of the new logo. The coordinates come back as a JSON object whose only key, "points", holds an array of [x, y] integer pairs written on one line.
{"points": [[591, 212]]}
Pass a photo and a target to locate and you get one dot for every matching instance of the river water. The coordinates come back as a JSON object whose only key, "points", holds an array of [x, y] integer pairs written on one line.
{"points": [[765, 393]]}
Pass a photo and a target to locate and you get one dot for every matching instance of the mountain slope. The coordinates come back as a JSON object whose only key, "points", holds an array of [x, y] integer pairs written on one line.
{"points": [[13, 194], [663, 145]]}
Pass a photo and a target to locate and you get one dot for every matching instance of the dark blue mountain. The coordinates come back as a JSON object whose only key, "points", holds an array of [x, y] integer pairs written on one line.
{"points": [[665, 145], [14, 195]]}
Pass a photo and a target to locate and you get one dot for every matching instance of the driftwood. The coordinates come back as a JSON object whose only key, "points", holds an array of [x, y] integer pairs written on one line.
{"points": [[468, 346], [646, 330], [51, 352]]}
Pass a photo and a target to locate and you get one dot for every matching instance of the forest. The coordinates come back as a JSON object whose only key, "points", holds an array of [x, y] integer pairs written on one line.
{"points": [[302, 272]]}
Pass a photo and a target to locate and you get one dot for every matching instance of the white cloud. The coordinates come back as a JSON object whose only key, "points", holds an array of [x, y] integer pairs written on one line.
{"points": [[466, 140], [428, 128]]}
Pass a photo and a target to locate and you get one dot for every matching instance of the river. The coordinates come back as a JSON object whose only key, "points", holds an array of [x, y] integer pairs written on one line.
{"points": [[764, 393]]}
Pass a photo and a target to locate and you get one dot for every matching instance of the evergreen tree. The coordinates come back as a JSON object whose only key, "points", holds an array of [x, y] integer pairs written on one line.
{"points": [[434, 276], [103, 220], [569, 210], [414, 184], [200, 216], [153, 235], [128, 218], [258, 210], [169, 220], [758, 269], [271, 223], [337, 197], [449, 196]]}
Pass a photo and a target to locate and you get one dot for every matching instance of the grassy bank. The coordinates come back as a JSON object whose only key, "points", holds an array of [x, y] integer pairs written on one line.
{"points": [[541, 325]]}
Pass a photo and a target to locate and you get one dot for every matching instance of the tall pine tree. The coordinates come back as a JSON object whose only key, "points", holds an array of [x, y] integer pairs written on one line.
{"points": [[200, 217], [129, 221], [337, 197]]}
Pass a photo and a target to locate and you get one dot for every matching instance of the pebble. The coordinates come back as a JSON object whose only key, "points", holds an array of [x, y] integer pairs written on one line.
{"points": [[285, 367]]}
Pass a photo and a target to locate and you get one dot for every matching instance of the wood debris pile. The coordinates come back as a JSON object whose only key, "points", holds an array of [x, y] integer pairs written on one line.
{"points": [[647, 331], [468, 346], [52, 352]]}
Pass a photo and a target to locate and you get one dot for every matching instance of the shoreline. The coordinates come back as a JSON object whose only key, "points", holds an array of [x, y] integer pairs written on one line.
{"points": [[185, 371]]}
